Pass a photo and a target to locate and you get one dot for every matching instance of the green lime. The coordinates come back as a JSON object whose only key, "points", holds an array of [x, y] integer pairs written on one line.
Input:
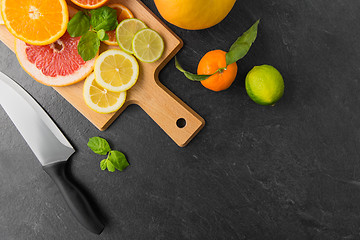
{"points": [[148, 45], [264, 85]]}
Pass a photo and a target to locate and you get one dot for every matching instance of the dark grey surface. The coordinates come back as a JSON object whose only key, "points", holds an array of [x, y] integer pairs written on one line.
{"points": [[286, 172]]}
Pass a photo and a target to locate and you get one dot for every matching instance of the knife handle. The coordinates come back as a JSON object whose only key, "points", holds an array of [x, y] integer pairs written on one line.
{"points": [[75, 199]]}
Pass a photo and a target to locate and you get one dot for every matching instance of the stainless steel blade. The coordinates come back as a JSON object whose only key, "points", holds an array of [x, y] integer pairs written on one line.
{"points": [[39, 131]]}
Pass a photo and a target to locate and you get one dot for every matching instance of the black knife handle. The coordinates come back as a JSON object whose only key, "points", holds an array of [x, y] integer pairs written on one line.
{"points": [[75, 199]]}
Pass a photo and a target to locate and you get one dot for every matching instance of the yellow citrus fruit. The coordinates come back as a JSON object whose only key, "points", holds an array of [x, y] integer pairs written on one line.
{"points": [[35, 22], [116, 70], [100, 99], [264, 85], [194, 14]]}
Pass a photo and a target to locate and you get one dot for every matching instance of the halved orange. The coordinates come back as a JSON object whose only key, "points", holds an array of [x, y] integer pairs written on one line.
{"points": [[122, 13], [1, 20], [35, 22], [89, 4]]}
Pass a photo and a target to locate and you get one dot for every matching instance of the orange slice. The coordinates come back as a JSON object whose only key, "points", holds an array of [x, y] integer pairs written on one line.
{"points": [[122, 13], [35, 22], [89, 4]]}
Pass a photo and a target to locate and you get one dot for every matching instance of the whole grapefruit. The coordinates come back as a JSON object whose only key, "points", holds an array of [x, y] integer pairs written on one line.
{"points": [[194, 14]]}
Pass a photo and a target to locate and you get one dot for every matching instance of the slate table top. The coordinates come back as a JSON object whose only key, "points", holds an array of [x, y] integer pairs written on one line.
{"points": [[291, 171]]}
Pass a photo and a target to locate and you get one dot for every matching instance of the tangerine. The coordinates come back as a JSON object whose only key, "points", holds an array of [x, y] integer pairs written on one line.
{"points": [[209, 64]]}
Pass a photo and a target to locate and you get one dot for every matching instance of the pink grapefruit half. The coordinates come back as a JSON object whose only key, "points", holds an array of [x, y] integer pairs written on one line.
{"points": [[57, 64]]}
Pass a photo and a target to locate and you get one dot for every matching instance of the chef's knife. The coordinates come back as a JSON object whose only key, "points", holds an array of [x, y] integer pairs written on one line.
{"points": [[49, 145]]}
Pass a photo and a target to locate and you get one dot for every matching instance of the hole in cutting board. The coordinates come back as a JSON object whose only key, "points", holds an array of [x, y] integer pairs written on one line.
{"points": [[181, 122]]}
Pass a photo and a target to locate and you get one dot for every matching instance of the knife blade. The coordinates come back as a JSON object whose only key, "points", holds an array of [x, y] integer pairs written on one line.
{"points": [[49, 145]]}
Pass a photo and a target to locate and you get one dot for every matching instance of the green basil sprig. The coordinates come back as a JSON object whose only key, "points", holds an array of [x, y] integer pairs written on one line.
{"points": [[79, 24], [91, 26], [114, 160], [237, 51], [88, 45], [103, 18]]}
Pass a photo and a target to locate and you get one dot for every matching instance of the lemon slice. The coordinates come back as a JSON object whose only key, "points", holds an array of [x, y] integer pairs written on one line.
{"points": [[116, 70], [125, 32], [100, 99], [148, 45]]}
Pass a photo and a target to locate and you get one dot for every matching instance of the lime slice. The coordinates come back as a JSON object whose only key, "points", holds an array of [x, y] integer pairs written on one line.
{"points": [[100, 99], [148, 45], [116, 70], [125, 32], [264, 85]]}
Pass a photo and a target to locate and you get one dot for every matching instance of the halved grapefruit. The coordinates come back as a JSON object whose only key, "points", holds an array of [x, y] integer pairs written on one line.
{"points": [[57, 64]]}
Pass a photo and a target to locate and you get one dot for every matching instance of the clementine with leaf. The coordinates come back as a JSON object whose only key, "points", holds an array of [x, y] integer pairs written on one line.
{"points": [[215, 61]]}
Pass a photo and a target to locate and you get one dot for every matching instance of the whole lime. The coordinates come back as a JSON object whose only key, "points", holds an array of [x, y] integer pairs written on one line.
{"points": [[264, 85]]}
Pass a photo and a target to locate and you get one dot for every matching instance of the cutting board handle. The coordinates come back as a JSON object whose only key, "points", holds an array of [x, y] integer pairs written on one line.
{"points": [[177, 119]]}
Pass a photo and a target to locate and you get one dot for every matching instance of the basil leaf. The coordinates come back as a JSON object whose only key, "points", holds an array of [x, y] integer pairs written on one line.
{"points": [[101, 34], [78, 25], [103, 18], [191, 76], [118, 159], [99, 145], [106, 37], [103, 164], [110, 166], [242, 45], [88, 45]]}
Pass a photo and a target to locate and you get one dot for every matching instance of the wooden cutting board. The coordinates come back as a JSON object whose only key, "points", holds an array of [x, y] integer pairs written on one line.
{"points": [[166, 109]]}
